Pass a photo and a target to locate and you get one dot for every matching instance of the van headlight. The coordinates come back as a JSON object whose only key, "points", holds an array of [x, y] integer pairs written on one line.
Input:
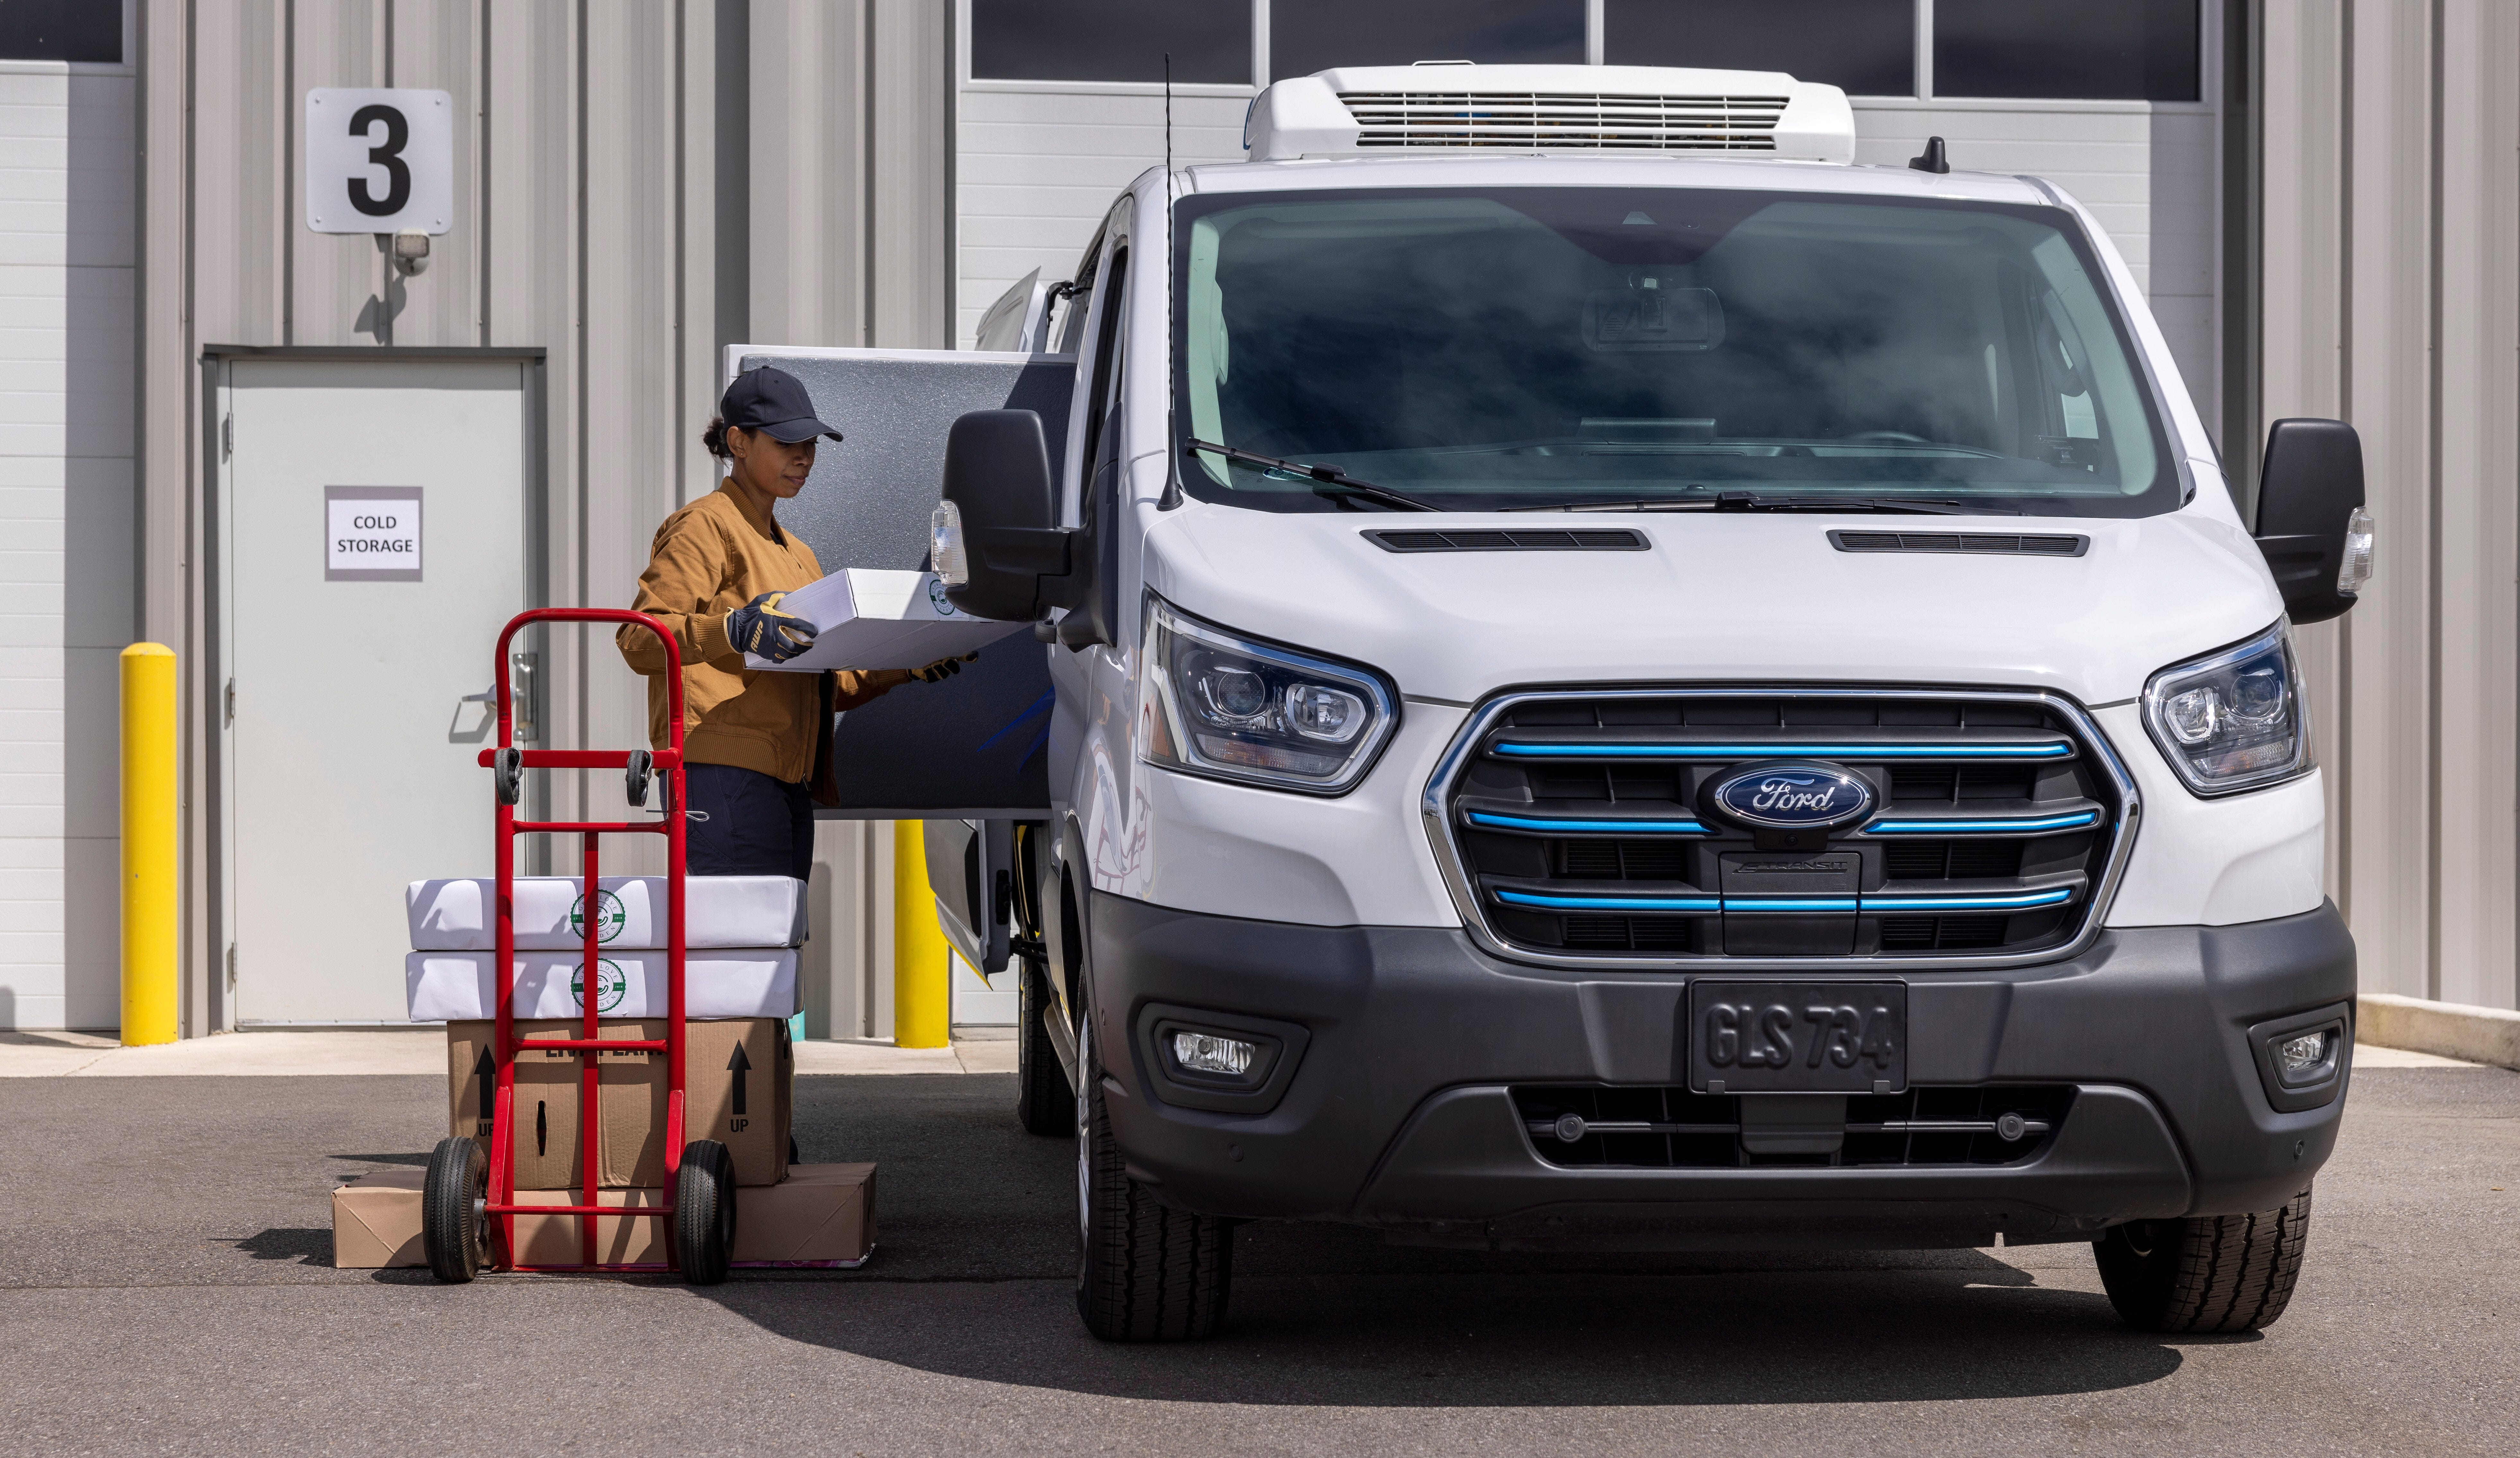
{"points": [[2232, 721], [1213, 702]]}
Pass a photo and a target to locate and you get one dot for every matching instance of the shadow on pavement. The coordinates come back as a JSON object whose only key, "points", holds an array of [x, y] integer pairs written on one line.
{"points": [[1749, 1338], [971, 1278], [306, 1246]]}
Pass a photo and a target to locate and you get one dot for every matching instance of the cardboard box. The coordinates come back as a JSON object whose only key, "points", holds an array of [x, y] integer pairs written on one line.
{"points": [[376, 1221], [554, 1239], [741, 1091], [821, 1217]]}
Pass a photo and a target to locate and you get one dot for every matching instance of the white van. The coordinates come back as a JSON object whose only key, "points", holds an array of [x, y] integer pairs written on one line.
{"points": [[1623, 682]]}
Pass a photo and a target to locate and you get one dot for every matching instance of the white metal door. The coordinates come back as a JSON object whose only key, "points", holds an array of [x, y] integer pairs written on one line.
{"points": [[357, 646]]}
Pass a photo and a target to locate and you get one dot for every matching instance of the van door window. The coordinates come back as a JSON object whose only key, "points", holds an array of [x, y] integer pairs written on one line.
{"points": [[1070, 325]]}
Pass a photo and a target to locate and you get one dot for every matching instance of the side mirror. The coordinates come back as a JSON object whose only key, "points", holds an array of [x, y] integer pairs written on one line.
{"points": [[2312, 526], [993, 542]]}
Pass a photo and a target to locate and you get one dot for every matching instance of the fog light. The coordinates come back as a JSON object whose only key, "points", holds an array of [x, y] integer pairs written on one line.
{"points": [[2302, 1053], [1206, 1053]]}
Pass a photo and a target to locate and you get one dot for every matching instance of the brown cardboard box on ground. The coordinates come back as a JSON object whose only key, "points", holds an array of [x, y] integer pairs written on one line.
{"points": [[376, 1221], [821, 1215], [741, 1092]]}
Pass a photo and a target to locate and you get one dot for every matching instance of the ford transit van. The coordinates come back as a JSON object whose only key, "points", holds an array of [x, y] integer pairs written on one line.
{"points": [[1621, 682]]}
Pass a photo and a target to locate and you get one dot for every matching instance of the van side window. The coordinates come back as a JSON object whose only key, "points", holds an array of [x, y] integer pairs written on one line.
{"points": [[1105, 381], [1069, 327]]}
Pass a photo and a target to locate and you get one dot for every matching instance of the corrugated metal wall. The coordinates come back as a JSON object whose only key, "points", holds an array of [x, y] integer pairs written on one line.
{"points": [[2390, 297], [639, 182], [66, 561]]}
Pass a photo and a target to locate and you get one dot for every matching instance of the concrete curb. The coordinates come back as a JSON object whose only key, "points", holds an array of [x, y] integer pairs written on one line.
{"points": [[2452, 1029]]}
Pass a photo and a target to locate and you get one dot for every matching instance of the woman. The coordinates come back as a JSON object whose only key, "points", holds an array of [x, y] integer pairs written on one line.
{"points": [[757, 744]]}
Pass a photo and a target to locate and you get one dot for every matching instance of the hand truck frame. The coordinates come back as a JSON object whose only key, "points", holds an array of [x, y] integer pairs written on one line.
{"points": [[469, 1205]]}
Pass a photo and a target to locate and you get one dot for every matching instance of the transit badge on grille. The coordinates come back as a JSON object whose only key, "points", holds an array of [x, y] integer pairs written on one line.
{"points": [[1790, 794]]}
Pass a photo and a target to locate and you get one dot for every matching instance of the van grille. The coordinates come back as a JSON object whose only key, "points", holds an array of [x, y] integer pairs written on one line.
{"points": [[1581, 826], [1673, 1128], [1584, 122]]}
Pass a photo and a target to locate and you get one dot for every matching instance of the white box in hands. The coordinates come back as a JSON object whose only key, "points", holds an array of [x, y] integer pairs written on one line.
{"points": [[867, 617]]}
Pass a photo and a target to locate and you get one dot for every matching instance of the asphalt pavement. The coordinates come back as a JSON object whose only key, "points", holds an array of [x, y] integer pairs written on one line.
{"points": [[165, 1285]]}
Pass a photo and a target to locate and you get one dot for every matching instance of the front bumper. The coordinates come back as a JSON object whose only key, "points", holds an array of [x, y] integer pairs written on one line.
{"points": [[1397, 1112]]}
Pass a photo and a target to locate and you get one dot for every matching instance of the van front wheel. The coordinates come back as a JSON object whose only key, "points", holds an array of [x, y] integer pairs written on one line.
{"points": [[1145, 1271], [2205, 1273]]}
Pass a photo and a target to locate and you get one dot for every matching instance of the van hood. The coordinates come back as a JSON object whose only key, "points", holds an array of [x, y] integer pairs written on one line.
{"points": [[1740, 596]]}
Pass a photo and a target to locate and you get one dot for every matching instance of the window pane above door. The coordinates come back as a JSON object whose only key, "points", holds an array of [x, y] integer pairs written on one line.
{"points": [[1310, 36], [2124, 50], [1111, 40], [62, 30], [1867, 47]]}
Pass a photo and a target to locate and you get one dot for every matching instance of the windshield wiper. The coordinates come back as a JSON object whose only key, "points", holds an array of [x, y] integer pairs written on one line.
{"points": [[1319, 478], [1751, 501]]}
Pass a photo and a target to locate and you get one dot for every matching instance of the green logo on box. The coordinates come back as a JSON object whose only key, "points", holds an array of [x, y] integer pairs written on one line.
{"points": [[611, 985], [609, 916]]}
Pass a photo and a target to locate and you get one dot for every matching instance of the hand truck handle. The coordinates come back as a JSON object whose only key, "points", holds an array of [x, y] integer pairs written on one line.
{"points": [[673, 662]]}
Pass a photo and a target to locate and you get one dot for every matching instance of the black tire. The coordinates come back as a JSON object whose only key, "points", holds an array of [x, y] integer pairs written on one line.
{"points": [[1145, 1272], [1044, 1103], [705, 1212], [454, 1230], [2205, 1273]]}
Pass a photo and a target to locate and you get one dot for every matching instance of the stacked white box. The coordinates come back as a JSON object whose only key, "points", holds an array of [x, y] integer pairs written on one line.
{"points": [[740, 938], [718, 911], [453, 986]]}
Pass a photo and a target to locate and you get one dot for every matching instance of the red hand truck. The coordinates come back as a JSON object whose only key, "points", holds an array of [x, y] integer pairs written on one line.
{"points": [[468, 1202]]}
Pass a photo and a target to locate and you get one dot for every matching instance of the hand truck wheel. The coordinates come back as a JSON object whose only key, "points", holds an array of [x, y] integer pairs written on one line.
{"points": [[705, 1212], [454, 1229]]}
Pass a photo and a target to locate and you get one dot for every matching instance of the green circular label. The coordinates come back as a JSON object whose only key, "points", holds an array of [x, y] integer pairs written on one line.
{"points": [[609, 916], [611, 985]]}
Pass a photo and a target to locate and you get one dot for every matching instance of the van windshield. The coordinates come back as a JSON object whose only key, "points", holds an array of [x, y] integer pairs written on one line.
{"points": [[1656, 348]]}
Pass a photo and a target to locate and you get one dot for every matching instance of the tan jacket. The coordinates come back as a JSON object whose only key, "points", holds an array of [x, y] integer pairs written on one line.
{"points": [[709, 559]]}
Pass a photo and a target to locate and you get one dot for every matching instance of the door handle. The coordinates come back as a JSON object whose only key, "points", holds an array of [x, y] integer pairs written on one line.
{"points": [[489, 695], [520, 679]]}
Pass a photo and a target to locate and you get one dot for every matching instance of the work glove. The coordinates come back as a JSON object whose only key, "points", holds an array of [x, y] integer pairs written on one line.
{"points": [[761, 626], [942, 669]]}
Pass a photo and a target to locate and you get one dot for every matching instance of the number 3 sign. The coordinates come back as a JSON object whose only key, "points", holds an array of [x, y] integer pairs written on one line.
{"points": [[380, 162]]}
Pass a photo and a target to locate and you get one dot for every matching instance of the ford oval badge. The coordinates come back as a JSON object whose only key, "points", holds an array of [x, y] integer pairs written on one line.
{"points": [[1801, 795]]}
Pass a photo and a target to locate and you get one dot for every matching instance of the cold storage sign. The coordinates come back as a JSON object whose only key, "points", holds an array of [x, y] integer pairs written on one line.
{"points": [[372, 534], [379, 161]]}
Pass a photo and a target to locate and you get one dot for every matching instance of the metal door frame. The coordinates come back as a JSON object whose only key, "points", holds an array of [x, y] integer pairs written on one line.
{"points": [[205, 544]]}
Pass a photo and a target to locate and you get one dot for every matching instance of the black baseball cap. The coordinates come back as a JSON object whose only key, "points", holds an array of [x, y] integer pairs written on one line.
{"points": [[772, 400]]}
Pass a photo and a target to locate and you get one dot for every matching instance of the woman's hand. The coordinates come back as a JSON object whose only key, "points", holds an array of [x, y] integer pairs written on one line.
{"points": [[942, 669], [761, 626]]}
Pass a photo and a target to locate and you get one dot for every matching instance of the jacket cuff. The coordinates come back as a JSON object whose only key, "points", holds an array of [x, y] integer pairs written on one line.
{"points": [[709, 638]]}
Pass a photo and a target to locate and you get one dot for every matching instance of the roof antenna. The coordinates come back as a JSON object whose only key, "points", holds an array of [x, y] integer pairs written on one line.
{"points": [[1933, 160], [1172, 496]]}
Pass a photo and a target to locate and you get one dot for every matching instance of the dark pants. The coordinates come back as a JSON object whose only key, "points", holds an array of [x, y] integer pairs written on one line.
{"points": [[742, 822]]}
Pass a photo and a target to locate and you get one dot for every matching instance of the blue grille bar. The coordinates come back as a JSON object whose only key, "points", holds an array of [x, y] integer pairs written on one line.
{"points": [[2011, 901], [1589, 827], [2021, 827], [1517, 749]]}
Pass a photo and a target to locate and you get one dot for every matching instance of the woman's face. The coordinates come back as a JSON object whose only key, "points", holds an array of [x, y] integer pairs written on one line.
{"points": [[770, 465]]}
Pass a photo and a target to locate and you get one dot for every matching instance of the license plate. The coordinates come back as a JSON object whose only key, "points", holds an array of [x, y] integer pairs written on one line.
{"points": [[1798, 1037]]}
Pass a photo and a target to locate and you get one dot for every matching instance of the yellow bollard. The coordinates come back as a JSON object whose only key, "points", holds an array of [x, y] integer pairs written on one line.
{"points": [[921, 998], [148, 845]]}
